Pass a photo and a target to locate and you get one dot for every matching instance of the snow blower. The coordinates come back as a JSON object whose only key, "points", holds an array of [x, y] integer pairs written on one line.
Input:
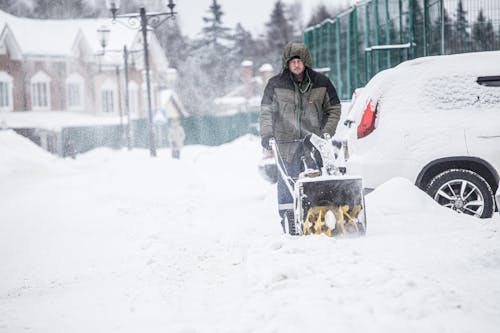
{"points": [[325, 199]]}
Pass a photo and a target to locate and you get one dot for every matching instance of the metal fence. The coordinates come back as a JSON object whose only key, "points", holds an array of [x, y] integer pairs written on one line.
{"points": [[375, 35], [200, 130]]}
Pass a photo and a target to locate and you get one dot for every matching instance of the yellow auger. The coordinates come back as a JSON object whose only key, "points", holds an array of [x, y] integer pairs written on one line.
{"points": [[340, 222]]}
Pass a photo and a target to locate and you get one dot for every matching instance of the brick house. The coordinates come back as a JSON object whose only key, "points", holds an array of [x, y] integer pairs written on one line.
{"points": [[54, 65]]}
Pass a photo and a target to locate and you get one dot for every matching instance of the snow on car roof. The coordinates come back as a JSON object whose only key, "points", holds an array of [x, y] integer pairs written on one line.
{"points": [[444, 82]]}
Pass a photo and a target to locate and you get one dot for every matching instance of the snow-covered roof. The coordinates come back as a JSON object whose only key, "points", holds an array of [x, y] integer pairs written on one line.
{"points": [[36, 37], [33, 36], [266, 68]]}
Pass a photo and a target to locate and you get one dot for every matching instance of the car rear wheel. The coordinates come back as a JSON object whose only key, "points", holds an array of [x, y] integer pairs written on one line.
{"points": [[463, 191]]}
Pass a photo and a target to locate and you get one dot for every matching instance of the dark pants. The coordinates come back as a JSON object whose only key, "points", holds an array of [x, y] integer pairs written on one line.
{"points": [[293, 169]]}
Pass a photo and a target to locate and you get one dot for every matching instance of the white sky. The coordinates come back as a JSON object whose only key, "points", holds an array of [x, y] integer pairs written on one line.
{"points": [[251, 14]]}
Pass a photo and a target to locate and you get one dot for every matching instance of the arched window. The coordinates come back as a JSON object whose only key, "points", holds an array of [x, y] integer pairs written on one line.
{"points": [[6, 103], [40, 92], [75, 92]]}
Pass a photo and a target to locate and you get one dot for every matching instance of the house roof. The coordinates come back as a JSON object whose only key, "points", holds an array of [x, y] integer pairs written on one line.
{"points": [[61, 38]]}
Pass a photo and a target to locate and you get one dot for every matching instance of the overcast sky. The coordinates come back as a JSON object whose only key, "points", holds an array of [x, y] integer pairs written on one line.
{"points": [[252, 14]]}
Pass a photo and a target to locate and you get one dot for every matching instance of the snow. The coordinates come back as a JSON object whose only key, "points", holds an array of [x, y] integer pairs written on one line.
{"points": [[116, 241], [54, 120], [27, 33]]}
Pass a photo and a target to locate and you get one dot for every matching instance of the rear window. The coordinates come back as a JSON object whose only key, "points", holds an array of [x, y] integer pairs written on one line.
{"points": [[462, 91]]}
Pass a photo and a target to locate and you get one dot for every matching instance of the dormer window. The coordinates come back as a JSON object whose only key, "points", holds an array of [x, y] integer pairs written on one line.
{"points": [[40, 92], [5, 92], [74, 92]]}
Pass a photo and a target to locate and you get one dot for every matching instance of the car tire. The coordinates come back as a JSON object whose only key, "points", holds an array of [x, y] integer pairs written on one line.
{"points": [[464, 191]]}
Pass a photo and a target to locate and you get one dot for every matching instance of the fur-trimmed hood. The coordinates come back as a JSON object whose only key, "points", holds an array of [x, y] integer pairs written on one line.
{"points": [[296, 50]]}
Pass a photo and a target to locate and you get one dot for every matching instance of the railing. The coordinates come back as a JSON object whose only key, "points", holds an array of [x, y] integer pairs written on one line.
{"points": [[375, 35]]}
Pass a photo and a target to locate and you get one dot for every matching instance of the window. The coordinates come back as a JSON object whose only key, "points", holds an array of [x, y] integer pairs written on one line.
{"points": [[107, 101], [74, 87], [5, 92], [74, 95], [40, 91]]}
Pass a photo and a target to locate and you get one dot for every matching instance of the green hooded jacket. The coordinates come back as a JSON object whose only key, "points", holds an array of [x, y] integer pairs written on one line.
{"points": [[289, 114]]}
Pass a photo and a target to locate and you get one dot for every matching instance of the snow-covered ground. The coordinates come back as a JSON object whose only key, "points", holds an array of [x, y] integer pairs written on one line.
{"points": [[116, 241]]}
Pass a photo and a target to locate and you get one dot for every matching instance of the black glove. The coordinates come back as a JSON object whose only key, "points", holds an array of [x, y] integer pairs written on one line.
{"points": [[265, 141]]}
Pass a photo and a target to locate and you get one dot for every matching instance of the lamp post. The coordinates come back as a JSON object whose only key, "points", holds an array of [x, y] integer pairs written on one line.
{"points": [[103, 34], [141, 22]]}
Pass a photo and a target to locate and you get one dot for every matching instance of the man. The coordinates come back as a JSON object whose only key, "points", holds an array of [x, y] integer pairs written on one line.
{"points": [[176, 137], [296, 102]]}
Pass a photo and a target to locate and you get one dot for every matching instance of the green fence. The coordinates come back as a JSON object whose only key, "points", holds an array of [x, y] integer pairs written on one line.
{"points": [[375, 35], [202, 130]]}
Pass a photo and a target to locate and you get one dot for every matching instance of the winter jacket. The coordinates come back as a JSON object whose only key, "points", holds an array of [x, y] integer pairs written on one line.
{"points": [[288, 115], [176, 136]]}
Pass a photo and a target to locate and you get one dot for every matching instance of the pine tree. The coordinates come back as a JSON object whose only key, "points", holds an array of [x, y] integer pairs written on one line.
{"points": [[214, 31], [173, 42], [435, 36], [461, 25], [483, 34], [294, 12], [279, 33], [209, 70], [320, 13], [244, 44], [418, 23]]}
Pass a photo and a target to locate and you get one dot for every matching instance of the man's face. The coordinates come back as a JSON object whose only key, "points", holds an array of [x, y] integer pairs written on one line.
{"points": [[296, 66]]}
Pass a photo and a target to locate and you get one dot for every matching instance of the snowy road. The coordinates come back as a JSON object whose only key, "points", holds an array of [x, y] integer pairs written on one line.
{"points": [[115, 241]]}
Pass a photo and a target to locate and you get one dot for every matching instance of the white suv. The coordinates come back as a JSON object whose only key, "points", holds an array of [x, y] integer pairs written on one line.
{"points": [[434, 121]]}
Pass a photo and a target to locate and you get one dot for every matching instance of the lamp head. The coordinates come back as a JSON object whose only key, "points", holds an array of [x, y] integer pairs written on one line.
{"points": [[113, 6], [171, 5], [103, 35]]}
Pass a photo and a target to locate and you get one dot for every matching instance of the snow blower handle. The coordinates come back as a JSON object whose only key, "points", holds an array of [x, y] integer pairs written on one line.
{"points": [[281, 167]]}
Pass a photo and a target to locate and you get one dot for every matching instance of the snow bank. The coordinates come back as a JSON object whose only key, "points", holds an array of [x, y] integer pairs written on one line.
{"points": [[400, 196], [194, 245], [20, 156]]}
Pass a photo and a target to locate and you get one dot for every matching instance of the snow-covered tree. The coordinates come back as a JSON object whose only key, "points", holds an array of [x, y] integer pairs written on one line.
{"points": [[244, 45], [175, 44], [214, 32], [209, 70]]}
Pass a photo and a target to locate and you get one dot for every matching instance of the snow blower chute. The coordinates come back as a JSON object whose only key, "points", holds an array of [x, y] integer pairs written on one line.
{"points": [[325, 199]]}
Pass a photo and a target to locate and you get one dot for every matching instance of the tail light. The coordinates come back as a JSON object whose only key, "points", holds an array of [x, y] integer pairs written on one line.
{"points": [[367, 124]]}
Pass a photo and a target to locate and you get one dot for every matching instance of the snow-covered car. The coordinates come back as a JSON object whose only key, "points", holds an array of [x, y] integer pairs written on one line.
{"points": [[267, 166], [435, 121]]}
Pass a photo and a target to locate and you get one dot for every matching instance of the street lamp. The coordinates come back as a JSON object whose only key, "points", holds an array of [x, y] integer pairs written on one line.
{"points": [[103, 34], [142, 21]]}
